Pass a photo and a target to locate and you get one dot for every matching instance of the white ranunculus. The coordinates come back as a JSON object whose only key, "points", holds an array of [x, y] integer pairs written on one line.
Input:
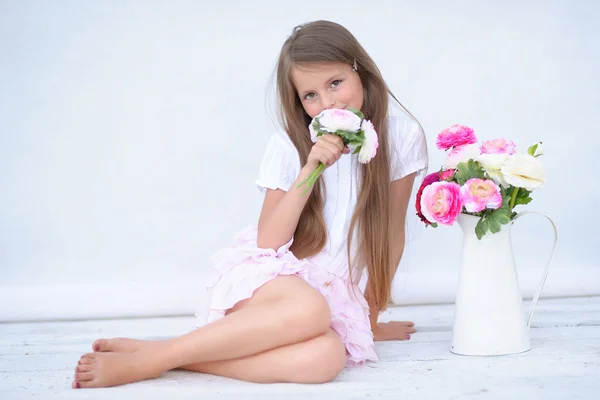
{"points": [[492, 163], [461, 154], [523, 171], [497, 177], [334, 119], [369, 147]]}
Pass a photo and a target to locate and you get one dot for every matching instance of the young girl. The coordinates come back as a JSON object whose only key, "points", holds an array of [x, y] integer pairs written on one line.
{"points": [[283, 303]]}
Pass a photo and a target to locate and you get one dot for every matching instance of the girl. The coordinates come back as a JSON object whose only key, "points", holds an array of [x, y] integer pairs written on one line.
{"points": [[283, 303]]}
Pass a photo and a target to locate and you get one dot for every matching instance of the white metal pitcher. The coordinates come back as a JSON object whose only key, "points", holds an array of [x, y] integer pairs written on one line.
{"points": [[488, 312]]}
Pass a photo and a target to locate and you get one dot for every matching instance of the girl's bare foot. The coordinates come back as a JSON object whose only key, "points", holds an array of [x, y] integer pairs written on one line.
{"points": [[120, 345], [112, 369]]}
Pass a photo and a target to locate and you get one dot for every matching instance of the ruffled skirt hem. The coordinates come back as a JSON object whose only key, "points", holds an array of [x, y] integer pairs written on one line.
{"points": [[241, 268]]}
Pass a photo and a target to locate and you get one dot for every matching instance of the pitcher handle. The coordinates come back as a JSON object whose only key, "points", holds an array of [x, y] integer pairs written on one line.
{"points": [[539, 291]]}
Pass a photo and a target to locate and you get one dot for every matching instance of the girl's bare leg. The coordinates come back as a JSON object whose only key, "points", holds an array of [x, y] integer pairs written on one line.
{"points": [[316, 360], [284, 311]]}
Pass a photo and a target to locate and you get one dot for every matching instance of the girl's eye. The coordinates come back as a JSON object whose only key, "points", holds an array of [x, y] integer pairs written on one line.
{"points": [[336, 83], [309, 96]]}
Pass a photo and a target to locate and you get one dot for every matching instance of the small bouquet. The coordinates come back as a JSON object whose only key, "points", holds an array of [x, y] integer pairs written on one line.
{"points": [[487, 180], [356, 132]]}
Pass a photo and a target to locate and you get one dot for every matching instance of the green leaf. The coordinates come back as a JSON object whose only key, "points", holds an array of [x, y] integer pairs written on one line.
{"points": [[523, 197], [351, 137], [469, 170], [357, 112], [481, 228], [531, 150], [498, 217], [492, 220]]}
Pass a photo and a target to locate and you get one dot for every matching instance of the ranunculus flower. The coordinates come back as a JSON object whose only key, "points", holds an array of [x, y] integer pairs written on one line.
{"points": [[440, 202], [492, 163], [447, 175], [356, 133], [478, 194], [429, 179], [461, 154], [456, 135], [524, 171], [313, 133], [368, 150], [498, 146], [335, 119]]}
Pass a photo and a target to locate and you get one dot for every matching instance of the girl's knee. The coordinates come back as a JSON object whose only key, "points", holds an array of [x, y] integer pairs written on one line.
{"points": [[324, 361], [302, 308], [306, 311]]}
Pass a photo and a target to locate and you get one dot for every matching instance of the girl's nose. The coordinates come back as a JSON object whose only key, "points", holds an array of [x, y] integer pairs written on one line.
{"points": [[328, 103]]}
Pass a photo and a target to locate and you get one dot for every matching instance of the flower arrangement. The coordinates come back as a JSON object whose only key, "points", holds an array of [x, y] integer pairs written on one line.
{"points": [[356, 132], [487, 181]]}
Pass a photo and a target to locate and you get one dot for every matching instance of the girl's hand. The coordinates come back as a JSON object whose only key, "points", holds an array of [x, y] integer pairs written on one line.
{"points": [[393, 330], [327, 150]]}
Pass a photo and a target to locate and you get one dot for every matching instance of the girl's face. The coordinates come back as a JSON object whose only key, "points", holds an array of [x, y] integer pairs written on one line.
{"points": [[327, 85]]}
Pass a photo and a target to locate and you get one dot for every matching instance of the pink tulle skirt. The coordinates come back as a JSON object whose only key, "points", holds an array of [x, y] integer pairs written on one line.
{"points": [[242, 267]]}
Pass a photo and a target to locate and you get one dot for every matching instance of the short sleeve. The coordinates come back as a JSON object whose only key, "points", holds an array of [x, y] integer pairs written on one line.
{"points": [[280, 165], [408, 147]]}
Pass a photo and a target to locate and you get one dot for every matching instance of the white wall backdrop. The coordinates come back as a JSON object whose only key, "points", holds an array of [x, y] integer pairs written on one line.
{"points": [[131, 133]]}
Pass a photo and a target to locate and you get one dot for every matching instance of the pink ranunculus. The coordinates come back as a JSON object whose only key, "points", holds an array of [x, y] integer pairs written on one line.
{"points": [[498, 146], [456, 135], [447, 175], [478, 194], [334, 119], [440, 202]]}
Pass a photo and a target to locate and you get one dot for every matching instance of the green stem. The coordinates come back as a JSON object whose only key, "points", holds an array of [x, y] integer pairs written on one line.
{"points": [[312, 178], [513, 198]]}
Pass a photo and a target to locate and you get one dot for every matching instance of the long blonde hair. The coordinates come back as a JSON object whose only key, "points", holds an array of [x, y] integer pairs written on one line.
{"points": [[324, 41]]}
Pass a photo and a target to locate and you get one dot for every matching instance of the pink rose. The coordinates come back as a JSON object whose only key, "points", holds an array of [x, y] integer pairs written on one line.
{"points": [[456, 135], [447, 175], [477, 194], [440, 202], [429, 179], [498, 146]]}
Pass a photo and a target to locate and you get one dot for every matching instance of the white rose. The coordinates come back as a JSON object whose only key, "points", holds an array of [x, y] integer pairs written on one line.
{"points": [[523, 171], [461, 154], [368, 150], [337, 119]]}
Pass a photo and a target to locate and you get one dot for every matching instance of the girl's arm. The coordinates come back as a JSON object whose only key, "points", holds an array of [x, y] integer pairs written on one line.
{"points": [[400, 198], [280, 213], [281, 210]]}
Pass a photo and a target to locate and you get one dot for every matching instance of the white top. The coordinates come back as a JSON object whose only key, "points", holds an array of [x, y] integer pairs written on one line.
{"points": [[280, 168]]}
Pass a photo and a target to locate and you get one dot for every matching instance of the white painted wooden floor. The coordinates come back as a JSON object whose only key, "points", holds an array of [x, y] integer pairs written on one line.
{"points": [[37, 361]]}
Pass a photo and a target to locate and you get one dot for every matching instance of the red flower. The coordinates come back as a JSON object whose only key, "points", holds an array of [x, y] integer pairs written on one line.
{"points": [[429, 179], [447, 175]]}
